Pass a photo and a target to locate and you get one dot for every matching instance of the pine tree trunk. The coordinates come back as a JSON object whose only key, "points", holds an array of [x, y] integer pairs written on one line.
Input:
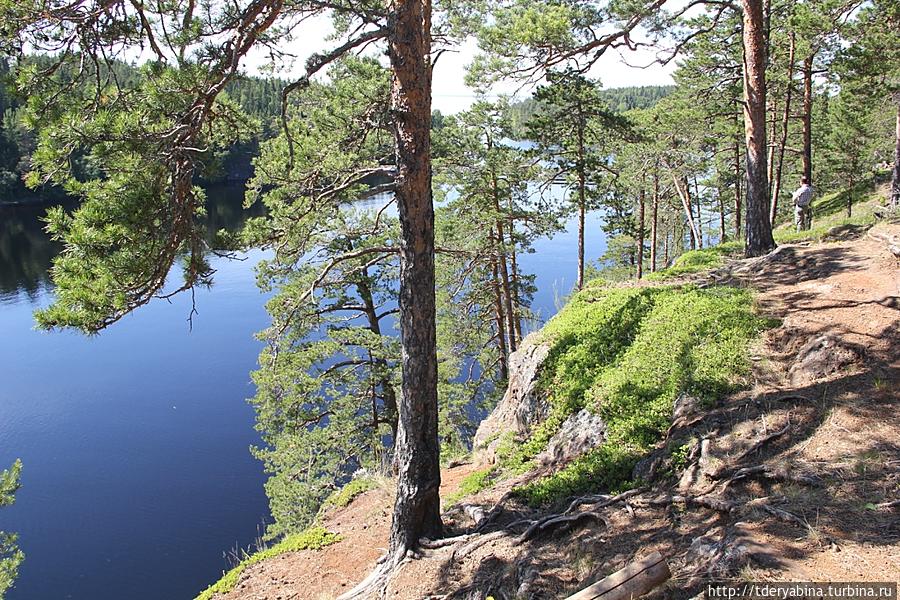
{"points": [[699, 213], [723, 234], [895, 177], [807, 117], [504, 268], [785, 123], [388, 395], [417, 507], [499, 316], [654, 223], [514, 279], [758, 238], [738, 193], [850, 196], [582, 203], [684, 194], [640, 236]]}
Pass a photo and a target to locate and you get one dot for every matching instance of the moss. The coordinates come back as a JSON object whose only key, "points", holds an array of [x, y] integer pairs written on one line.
{"points": [[588, 335], [688, 340], [348, 493], [471, 484], [695, 261], [314, 538]]}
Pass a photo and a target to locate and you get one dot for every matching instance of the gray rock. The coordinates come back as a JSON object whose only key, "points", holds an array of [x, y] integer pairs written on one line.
{"points": [[522, 406], [820, 357], [579, 433]]}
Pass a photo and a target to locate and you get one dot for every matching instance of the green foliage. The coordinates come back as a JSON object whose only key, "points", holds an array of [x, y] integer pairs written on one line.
{"points": [[695, 261], [314, 538], [669, 341], [10, 555], [471, 484], [830, 219], [349, 492]]}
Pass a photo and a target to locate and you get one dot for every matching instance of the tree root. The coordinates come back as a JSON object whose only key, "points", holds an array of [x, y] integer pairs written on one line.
{"points": [[715, 503], [764, 441], [547, 524], [375, 584], [783, 515]]}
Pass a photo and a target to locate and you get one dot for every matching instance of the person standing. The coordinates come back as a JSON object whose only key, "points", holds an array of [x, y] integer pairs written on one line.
{"points": [[803, 205]]}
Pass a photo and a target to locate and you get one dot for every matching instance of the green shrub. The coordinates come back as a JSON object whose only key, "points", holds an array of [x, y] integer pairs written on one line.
{"points": [[471, 484], [695, 261], [348, 493], [314, 538]]}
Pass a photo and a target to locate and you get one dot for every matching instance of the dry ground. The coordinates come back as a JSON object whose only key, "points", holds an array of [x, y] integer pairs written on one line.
{"points": [[826, 398]]}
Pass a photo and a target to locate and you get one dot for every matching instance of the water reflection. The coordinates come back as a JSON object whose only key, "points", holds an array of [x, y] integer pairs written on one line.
{"points": [[26, 250]]}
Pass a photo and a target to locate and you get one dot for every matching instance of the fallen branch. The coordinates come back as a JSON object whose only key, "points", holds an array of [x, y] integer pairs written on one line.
{"points": [[633, 581]]}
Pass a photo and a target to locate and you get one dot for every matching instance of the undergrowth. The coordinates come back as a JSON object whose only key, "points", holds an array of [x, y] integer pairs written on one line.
{"points": [[471, 484], [314, 538], [627, 354], [830, 218], [695, 261], [348, 493]]}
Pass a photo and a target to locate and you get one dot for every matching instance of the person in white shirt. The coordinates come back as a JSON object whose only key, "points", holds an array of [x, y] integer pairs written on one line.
{"points": [[803, 205]]}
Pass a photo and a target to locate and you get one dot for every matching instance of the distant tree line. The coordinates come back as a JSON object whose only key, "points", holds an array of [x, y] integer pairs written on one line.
{"points": [[258, 97]]}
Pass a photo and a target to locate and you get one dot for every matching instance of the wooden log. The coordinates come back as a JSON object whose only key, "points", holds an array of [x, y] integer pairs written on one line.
{"points": [[633, 581]]}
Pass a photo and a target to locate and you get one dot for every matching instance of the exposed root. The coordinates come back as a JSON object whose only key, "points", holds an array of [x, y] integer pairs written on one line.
{"points": [[706, 501], [545, 525], [764, 441], [466, 549], [443, 543], [783, 515], [375, 584], [768, 472]]}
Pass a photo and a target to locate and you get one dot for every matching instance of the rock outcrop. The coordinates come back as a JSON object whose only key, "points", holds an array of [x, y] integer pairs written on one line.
{"points": [[522, 406]]}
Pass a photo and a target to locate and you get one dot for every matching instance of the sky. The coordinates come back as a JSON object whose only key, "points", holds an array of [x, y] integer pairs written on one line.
{"points": [[450, 94]]}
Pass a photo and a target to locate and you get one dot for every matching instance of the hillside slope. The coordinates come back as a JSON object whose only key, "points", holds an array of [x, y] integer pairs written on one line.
{"points": [[793, 477]]}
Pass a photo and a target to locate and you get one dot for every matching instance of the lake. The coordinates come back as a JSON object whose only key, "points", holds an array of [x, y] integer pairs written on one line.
{"points": [[137, 475]]}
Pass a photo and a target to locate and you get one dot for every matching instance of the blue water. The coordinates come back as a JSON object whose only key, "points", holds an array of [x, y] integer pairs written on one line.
{"points": [[137, 475]]}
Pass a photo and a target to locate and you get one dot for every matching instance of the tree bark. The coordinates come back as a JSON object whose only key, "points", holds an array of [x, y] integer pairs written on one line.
{"points": [[738, 194], [417, 507], [582, 203], [685, 195], [654, 222], [807, 117], [640, 235], [895, 176], [723, 234], [498, 312], [758, 231], [388, 395], [504, 268], [699, 213], [785, 123]]}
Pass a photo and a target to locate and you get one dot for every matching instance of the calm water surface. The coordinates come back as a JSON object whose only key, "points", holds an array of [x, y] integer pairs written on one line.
{"points": [[137, 474]]}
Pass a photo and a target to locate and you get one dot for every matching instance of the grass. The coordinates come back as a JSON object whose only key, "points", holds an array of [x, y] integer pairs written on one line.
{"points": [[314, 538], [346, 495], [471, 484], [645, 348], [695, 261], [829, 215]]}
